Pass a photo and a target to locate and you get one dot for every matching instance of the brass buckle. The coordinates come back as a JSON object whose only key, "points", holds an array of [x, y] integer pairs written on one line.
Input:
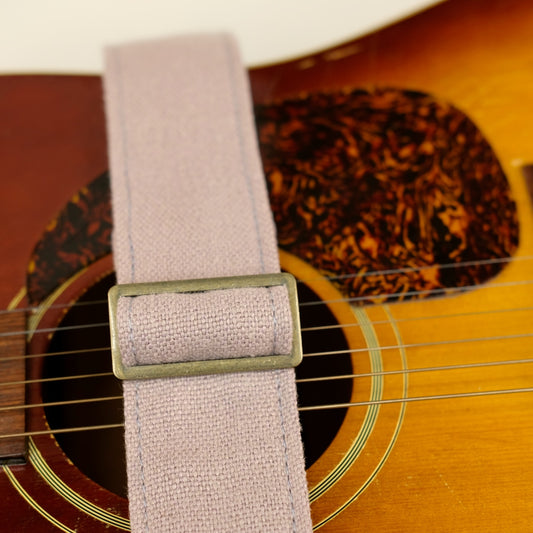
{"points": [[216, 366]]}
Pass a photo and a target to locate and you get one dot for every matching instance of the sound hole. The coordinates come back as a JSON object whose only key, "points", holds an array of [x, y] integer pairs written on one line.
{"points": [[99, 454]]}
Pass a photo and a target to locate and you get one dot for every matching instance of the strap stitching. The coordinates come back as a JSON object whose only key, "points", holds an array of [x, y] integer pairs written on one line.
{"points": [[125, 154], [285, 450], [246, 173], [141, 461], [243, 159], [124, 137]]}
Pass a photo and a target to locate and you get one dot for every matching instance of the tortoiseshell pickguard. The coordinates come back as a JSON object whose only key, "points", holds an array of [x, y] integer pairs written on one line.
{"points": [[389, 192], [367, 182], [79, 235]]}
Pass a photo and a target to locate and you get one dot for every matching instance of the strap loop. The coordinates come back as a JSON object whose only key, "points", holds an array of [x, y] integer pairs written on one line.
{"points": [[238, 354]]}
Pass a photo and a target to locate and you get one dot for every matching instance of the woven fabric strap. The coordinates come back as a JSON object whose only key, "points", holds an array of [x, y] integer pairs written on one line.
{"points": [[216, 452]]}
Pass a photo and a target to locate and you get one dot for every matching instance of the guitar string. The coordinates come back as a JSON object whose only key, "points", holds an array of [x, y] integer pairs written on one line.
{"points": [[442, 266], [82, 351], [429, 292], [325, 378], [447, 396], [61, 329], [351, 351], [355, 299], [54, 330], [402, 270], [37, 308], [338, 352], [432, 344], [303, 330], [38, 381], [62, 403], [344, 405], [329, 353], [462, 366], [419, 318], [309, 354]]}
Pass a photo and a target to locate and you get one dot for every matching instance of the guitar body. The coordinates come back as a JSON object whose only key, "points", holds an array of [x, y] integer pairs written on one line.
{"points": [[398, 172]]}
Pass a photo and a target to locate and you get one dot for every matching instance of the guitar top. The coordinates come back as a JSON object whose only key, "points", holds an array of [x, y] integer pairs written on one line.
{"points": [[399, 170]]}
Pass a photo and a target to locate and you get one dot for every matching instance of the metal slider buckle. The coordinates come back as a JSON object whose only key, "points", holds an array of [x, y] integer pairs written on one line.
{"points": [[216, 366]]}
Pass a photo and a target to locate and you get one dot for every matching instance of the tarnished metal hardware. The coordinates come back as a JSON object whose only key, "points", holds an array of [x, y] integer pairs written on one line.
{"points": [[216, 366]]}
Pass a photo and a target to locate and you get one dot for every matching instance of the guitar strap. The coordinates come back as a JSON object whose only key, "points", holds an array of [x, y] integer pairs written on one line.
{"points": [[212, 431]]}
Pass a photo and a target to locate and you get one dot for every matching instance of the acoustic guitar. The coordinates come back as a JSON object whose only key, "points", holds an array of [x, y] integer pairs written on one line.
{"points": [[400, 174]]}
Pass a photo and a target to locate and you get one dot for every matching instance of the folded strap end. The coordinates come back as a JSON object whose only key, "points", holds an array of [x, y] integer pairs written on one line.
{"points": [[248, 323]]}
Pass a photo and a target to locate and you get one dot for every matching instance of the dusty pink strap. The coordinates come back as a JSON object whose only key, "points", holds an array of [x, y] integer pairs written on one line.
{"points": [[209, 453]]}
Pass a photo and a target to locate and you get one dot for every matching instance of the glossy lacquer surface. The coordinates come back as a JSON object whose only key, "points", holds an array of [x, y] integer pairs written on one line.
{"points": [[397, 167]]}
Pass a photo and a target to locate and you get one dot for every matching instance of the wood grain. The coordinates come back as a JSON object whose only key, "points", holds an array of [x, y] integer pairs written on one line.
{"points": [[12, 370]]}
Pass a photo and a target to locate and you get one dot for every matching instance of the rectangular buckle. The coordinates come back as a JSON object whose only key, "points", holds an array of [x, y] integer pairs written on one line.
{"points": [[216, 366]]}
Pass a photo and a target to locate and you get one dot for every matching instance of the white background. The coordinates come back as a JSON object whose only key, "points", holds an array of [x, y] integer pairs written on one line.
{"points": [[68, 35]]}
